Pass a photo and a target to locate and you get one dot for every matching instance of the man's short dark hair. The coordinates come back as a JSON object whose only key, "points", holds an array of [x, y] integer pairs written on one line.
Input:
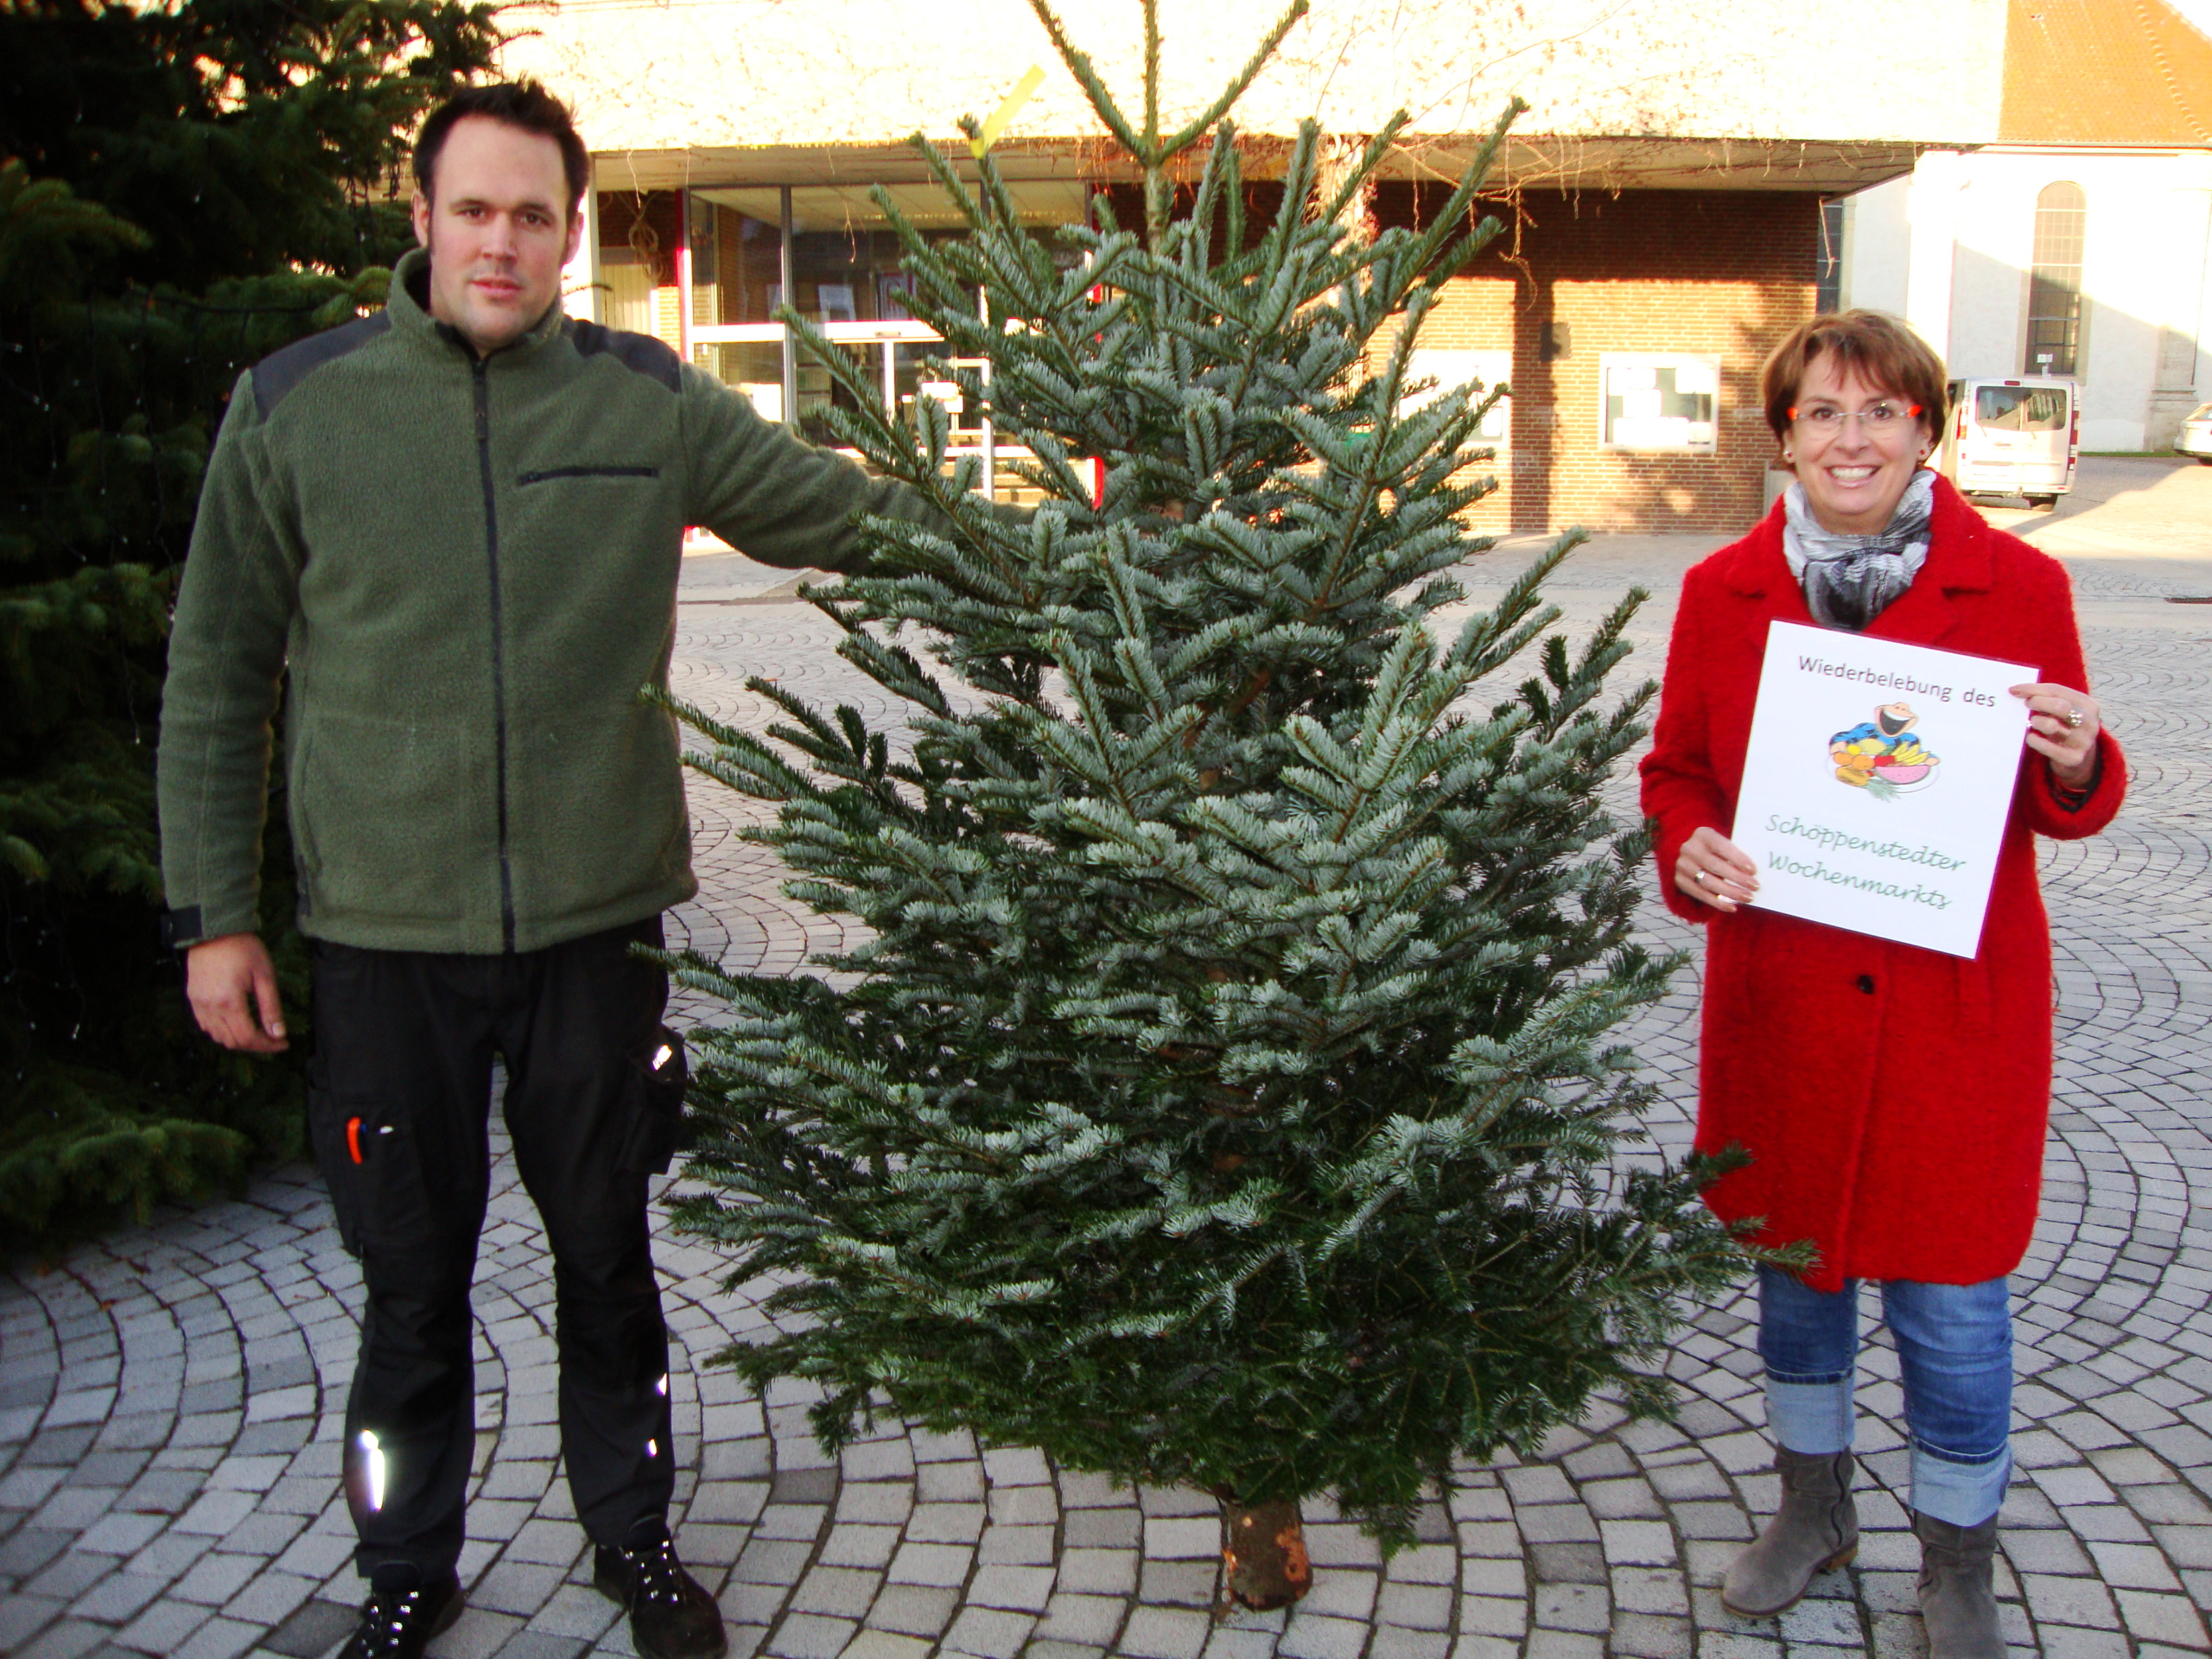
{"points": [[524, 103]]}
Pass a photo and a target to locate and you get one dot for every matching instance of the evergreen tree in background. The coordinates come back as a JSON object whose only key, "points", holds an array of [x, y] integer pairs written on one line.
{"points": [[183, 190], [1224, 1095]]}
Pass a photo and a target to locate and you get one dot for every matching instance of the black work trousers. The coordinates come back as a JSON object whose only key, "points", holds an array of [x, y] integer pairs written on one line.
{"points": [[399, 1107]]}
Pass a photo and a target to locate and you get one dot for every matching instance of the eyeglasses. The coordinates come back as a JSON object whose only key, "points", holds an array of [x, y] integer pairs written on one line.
{"points": [[1878, 419]]}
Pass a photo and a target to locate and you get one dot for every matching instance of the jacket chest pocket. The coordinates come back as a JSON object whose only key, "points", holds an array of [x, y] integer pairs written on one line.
{"points": [[590, 515], [548, 475]]}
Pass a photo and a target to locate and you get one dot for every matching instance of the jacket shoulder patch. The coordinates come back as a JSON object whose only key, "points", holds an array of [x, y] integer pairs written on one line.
{"points": [[276, 375], [641, 354]]}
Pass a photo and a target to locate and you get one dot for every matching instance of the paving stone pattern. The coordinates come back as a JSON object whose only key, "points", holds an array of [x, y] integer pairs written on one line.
{"points": [[170, 1401]]}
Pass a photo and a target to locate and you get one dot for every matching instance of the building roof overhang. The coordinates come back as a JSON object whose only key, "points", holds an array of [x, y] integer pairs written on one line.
{"points": [[1532, 162]]}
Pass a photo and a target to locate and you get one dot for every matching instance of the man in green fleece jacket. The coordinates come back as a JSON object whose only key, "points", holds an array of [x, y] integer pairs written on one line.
{"points": [[452, 533]]}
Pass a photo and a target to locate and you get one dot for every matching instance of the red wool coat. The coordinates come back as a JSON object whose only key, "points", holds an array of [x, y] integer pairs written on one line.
{"points": [[1893, 1099]]}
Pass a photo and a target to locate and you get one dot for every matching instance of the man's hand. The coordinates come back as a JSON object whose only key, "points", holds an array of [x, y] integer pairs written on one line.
{"points": [[219, 976]]}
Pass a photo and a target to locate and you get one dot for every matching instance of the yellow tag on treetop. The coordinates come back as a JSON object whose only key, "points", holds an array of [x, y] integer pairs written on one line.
{"points": [[1006, 111]]}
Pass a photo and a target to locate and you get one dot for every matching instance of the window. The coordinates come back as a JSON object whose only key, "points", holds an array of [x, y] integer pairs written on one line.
{"points": [[736, 262], [2055, 282], [2021, 409], [1451, 369], [848, 279], [1657, 401], [1827, 278]]}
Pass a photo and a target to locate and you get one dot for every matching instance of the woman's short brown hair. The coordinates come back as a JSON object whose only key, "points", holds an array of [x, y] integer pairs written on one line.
{"points": [[1881, 347]]}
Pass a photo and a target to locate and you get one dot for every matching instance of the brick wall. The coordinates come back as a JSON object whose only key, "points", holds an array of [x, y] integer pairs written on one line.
{"points": [[1721, 273], [1724, 273]]}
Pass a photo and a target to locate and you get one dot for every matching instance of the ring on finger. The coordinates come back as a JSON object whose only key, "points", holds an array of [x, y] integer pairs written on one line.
{"points": [[1700, 877], [2074, 718]]}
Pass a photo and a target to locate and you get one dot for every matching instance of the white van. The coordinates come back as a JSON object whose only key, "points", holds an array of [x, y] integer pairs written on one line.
{"points": [[2021, 436]]}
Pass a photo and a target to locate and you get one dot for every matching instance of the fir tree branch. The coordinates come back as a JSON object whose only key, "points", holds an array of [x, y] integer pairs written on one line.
{"points": [[1238, 83], [1087, 77], [1155, 155]]}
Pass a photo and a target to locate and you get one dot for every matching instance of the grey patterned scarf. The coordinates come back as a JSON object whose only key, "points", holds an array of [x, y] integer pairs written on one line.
{"points": [[1851, 580]]}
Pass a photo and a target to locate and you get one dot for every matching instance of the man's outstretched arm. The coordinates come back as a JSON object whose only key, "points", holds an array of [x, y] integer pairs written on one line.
{"points": [[774, 497]]}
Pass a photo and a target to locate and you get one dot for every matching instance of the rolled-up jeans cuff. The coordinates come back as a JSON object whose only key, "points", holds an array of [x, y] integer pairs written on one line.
{"points": [[1964, 1493], [1813, 1419]]}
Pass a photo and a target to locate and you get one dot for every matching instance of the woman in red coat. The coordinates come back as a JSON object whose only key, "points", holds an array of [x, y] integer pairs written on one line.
{"points": [[1892, 1099]]}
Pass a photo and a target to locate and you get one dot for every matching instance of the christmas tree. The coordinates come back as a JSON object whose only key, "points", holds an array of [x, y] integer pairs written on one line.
{"points": [[1224, 1096], [187, 188]]}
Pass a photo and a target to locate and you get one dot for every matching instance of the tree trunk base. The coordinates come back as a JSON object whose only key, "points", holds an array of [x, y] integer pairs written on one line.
{"points": [[1263, 1556]]}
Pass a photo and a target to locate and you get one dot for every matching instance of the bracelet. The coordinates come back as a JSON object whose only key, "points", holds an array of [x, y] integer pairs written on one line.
{"points": [[2073, 798]]}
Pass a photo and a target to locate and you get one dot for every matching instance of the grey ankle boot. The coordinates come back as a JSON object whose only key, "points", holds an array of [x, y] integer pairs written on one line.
{"points": [[1815, 1528], [1957, 1603]]}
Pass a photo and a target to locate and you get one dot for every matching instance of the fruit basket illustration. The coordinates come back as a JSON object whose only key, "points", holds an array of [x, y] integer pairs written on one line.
{"points": [[1883, 756]]}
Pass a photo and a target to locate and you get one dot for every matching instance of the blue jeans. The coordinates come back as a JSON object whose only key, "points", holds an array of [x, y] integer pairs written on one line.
{"points": [[1954, 1345]]}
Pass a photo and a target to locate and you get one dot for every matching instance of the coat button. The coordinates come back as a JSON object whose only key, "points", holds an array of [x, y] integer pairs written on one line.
{"points": [[1866, 983]]}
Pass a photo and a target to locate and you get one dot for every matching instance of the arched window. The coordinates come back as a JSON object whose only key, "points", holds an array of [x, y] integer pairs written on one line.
{"points": [[2055, 283]]}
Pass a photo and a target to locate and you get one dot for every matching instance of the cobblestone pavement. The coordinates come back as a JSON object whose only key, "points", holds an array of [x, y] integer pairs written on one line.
{"points": [[170, 1401]]}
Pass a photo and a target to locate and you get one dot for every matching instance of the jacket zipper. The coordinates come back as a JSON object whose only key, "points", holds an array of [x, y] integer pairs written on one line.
{"points": [[498, 650]]}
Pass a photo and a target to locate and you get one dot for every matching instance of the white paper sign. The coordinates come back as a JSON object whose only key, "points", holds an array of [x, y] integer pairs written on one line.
{"points": [[1877, 784]]}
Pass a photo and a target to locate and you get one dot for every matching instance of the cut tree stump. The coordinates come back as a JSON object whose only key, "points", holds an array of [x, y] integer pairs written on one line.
{"points": [[1263, 1556]]}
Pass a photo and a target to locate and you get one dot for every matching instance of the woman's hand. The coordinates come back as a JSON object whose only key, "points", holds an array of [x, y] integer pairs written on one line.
{"points": [[2062, 725], [1713, 869]]}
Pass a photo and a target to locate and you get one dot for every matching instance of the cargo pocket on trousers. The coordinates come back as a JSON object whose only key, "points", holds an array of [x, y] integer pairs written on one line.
{"points": [[370, 1161], [656, 1085]]}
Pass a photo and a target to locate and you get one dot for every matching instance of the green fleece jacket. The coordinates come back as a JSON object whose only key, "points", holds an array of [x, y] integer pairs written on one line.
{"points": [[468, 567]]}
